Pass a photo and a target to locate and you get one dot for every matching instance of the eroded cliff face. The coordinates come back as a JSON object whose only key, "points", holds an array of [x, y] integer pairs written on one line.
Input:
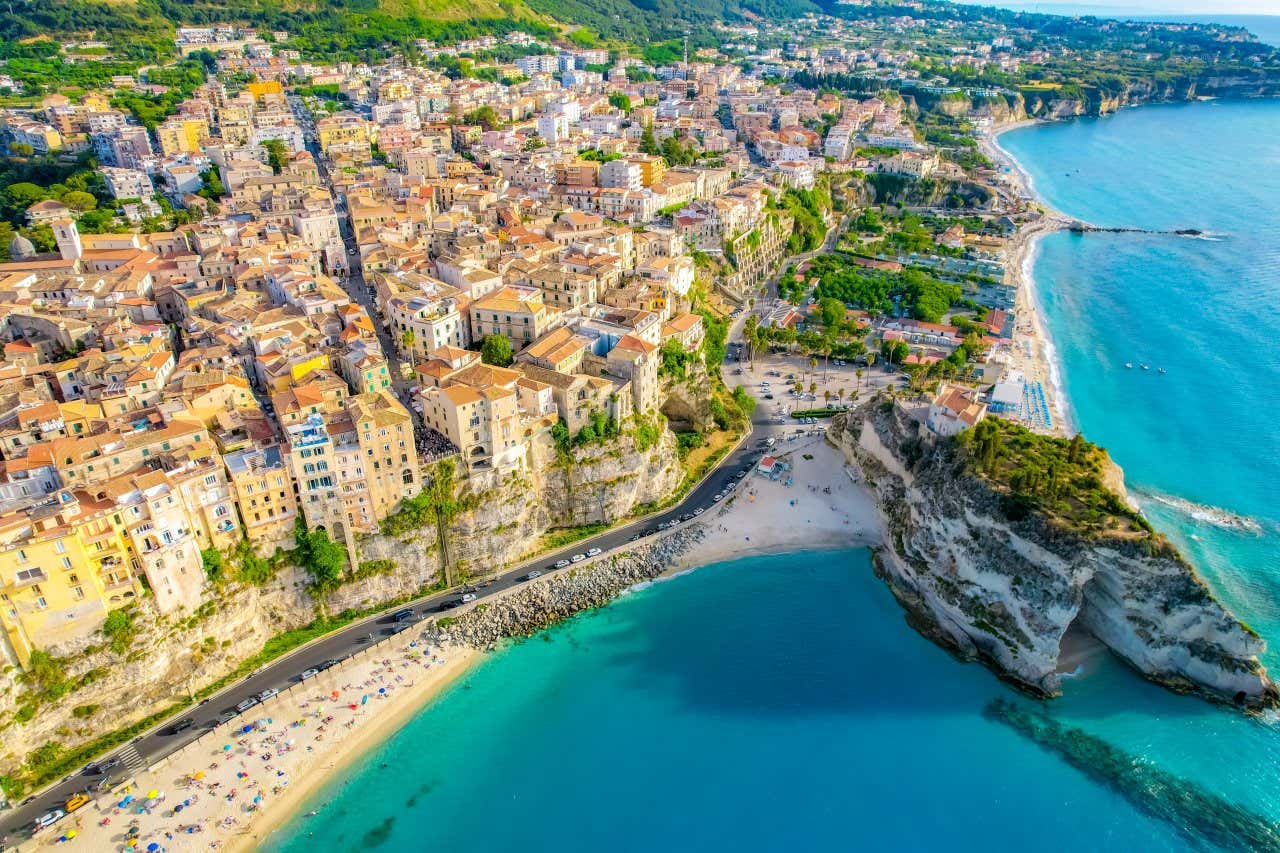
{"points": [[171, 657], [1007, 592]]}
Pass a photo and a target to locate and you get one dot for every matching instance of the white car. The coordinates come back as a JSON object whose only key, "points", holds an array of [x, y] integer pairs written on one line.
{"points": [[560, 564], [718, 498], [267, 694], [469, 597], [593, 552], [47, 820], [699, 511], [577, 558]]}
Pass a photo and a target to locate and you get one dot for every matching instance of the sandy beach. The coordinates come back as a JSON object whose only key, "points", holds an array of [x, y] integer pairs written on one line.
{"points": [[826, 506], [1031, 353], [231, 788]]}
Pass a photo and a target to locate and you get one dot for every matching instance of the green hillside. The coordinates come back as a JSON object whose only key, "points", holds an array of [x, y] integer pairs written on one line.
{"points": [[143, 29]]}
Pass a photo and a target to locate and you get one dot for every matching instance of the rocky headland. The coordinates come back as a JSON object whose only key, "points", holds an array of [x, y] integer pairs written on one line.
{"points": [[996, 575]]}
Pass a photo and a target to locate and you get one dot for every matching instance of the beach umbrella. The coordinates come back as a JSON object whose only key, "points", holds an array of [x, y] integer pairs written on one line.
{"points": [[226, 747], [335, 694], [199, 774], [382, 690], [364, 698], [246, 730], [153, 847], [353, 706], [257, 798], [153, 793]]}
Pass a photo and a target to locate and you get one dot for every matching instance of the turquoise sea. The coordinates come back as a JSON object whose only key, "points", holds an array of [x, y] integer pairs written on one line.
{"points": [[1205, 310], [781, 703]]}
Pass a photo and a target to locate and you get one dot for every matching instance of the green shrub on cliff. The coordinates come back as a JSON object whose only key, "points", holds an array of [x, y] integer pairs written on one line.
{"points": [[1061, 478]]}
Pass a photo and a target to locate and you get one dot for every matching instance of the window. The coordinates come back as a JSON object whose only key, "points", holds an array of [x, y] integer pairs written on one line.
{"points": [[60, 546], [66, 562], [29, 575], [41, 604], [77, 593]]}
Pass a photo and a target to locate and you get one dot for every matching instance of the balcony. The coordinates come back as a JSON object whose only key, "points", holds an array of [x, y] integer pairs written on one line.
{"points": [[28, 577]]}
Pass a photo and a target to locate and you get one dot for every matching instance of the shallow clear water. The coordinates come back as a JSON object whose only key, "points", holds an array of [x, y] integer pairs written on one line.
{"points": [[772, 703], [1203, 309]]}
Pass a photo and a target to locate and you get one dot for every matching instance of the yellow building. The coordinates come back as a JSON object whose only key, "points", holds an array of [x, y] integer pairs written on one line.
{"points": [[64, 564], [652, 168], [260, 88], [181, 135], [517, 312], [394, 90], [263, 490], [347, 134]]}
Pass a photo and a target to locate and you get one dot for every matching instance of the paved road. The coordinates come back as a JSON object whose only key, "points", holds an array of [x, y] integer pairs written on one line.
{"points": [[220, 709], [162, 741]]}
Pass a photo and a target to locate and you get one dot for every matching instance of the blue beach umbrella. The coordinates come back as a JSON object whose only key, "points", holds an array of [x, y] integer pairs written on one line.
{"points": [[153, 847], [364, 698]]}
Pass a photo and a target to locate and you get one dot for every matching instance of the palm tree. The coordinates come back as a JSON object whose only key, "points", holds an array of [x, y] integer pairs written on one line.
{"points": [[858, 373]]}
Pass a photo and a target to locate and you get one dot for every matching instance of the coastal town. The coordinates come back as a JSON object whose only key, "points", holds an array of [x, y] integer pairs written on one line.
{"points": [[267, 319]]}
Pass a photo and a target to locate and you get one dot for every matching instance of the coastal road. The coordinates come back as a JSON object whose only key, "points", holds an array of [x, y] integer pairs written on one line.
{"points": [[220, 709], [161, 741]]}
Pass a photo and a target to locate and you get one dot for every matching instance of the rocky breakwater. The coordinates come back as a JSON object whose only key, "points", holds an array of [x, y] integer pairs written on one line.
{"points": [[545, 602], [1000, 543]]}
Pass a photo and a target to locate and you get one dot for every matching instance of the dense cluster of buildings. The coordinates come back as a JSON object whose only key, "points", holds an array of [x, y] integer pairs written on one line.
{"points": [[312, 338]]}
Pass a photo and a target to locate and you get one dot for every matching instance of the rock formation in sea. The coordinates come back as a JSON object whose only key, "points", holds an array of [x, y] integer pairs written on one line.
{"points": [[1000, 578]]}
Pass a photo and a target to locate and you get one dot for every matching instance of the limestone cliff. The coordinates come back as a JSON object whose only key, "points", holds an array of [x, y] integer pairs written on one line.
{"points": [[1007, 587], [174, 656]]}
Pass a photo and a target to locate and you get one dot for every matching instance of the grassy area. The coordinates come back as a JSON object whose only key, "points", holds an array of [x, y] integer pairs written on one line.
{"points": [[701, 459], [553, 539]]}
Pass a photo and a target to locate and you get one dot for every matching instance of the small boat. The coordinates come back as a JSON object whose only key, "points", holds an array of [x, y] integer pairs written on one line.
{"points": [[1128, 365], [1161, 369], [1146, 367]]}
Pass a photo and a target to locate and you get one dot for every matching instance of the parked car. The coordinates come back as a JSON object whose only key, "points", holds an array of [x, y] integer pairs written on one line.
{"points": [[77, 801], [246, 704], [699, 511], [329, 664], [49, 819], [533, 574], [402, 615], [593, 552], [577, 558], [267, 694], [560, 564], [718, 498], [308, 673], [468, 597]]}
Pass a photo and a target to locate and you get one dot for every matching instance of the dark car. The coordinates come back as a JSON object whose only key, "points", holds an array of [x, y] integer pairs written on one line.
{"points": [[224, 718], [402, 615], [450, 604], [329, 664], [181, 726]]}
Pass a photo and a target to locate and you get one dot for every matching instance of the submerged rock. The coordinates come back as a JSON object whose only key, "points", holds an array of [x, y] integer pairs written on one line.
{"points": [[1200, 816], [997, 580]]}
